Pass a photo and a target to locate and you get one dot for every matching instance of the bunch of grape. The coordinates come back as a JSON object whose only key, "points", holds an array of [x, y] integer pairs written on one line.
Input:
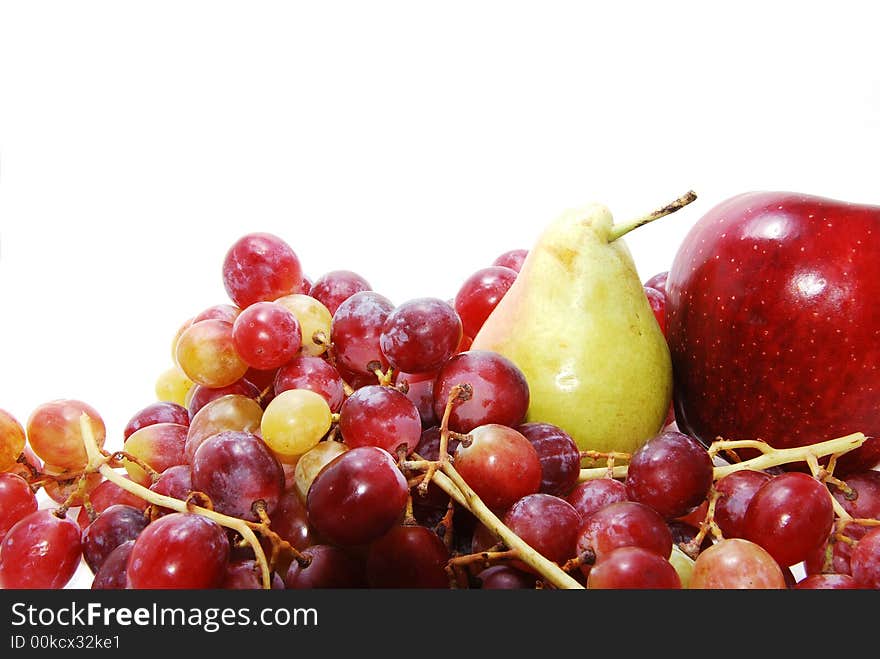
{"points": [[315, 435]]}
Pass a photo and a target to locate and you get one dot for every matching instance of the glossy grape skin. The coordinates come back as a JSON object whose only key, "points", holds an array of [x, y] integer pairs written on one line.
{"points": [[633, 568], [290, 520], [330, 567], [356, 330], [27, 465], [163, 556], [117, 524], [333, 288], [658, 281], [229, 412], [206, 354], [512, 259], [420, 390], [500, 465], [160, 445], [260, 266], [789, 516], [504, 577], [173, 385], [480, 293], [246, 575], [266, 335], [236, 469], [12, 440], [657, 301], [380, 416], [113, 573], [294, 422], [559, 454], [314, 374], [314, 321], [420, 335], [17, 500], [500, 390], [200, 396], [671, 472], [864, 503], [54, 433], [623, 524], [158, 412], [589, 496], [40, 551], [312, 462], [548, 524], [736, 563], [106, 494], [174, 482], [865, 560], [827, 582], [407, 557], [357, 497], [736, 490]]}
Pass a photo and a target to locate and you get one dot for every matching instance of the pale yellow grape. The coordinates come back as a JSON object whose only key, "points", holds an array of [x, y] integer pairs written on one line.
{"points": [[313, 461], [313, 317], [294, 421], [172, 385]]}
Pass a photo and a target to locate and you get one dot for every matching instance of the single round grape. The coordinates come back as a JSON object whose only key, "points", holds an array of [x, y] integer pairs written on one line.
{"points": [[246, 575], [179, 551], [500, 465], [260, 266], [827, 582], [355, 331], [17, 500], [864, 501], [106, 494], [512, 259], [314, 374], [865, 560], [500, 390], [207, 355], [548, 524], [589, 496], [40, 551], [12, 440], [633, 568], [789, 516], [113, 573], [229, 412], [657, 301], [329, 567], [407, 557], [174, 482], [658, 281], [290, 520], [159, 412], [236, 469], [480, 293], [419, 388], [312, 462], [266, 335], [115, 525], [559, 454], [27, 464], [736, 563], [505, 577], [671, 472], [200, 396], [420, 335], [227, 312], [357, 497], [294, 422], [54, 432], [173, 385], [333, 288], [160, 445], [380, 416], [736, 490], [314, 322]]}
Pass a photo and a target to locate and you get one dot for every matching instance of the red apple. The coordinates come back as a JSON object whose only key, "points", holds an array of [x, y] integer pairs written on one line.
{"points": [[773, 323]]}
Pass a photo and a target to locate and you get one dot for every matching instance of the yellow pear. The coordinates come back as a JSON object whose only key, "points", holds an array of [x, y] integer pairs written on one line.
{"points": [[577, 322]]}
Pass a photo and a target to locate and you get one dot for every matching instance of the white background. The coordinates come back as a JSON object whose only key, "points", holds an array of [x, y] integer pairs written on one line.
{"points": [[411, 142]]}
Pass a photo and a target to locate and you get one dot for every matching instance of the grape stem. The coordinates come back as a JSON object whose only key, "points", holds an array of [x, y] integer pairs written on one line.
{"points": [[99, 462]]}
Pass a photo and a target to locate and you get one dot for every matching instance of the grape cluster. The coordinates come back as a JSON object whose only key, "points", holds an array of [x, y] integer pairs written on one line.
{"points": [[316, 435]]}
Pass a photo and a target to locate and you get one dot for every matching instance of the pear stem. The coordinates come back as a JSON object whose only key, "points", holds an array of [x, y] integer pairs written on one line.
{"points": [[619, 230]]}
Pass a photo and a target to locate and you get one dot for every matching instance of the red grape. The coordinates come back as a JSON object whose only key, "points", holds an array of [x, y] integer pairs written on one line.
{"points": [[480, 294], [40, 551], [736, 563], [117, 524], [179, 551], [736, 490], [229, 412], [246, 575], [559, 454], [201, 396], [420, 335], [355, 331], [657, 300], [329, 567], [266, 335], [333, 288], [160, 445], [158, 412], [407, 557], [420, 390], [357, 497], [500, 465], [658, 281], [827, 582], [865, 560], [53, 430], [174, 482], [12, 440], [623, 524], [504, 577], [633, 568], [17, 500], [548, 524], [500, 390], [113, 573], [512, 259], [590, 496], [671, 472], [314, 374], [380, 416], [864, 502], [106, 494], [290, 520], [227, 312], [259, 267]]}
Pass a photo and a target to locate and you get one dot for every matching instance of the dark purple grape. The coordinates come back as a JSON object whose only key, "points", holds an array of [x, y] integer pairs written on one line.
{"points": [[590, 496], [329, 567], [420, 335], [117, 524], [408, 557], [505, 577], [736, 490], [113, 575], [546, 523], [559, 454]]}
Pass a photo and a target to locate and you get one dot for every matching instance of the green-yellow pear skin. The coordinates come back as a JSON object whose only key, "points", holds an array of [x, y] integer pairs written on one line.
{"points": [[577, 322]]}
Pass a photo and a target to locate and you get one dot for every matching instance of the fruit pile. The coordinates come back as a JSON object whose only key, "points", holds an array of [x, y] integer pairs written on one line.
{"points": [[549, 427]]}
